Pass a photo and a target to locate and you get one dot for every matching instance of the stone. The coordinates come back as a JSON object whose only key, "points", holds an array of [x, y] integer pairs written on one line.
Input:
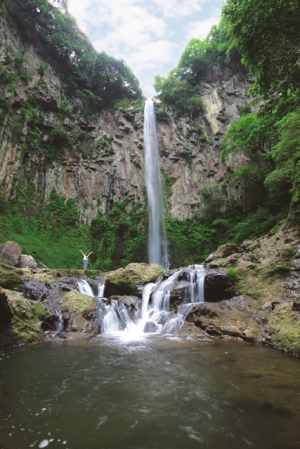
{"points": [[41, 265], [217, 286], [125, 281], [27, 261], [33, 289], [80, 308], [10, 253]]}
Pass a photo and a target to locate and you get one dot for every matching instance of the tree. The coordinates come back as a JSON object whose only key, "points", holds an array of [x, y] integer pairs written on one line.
{"points": [[251, 133], [268, 35]]}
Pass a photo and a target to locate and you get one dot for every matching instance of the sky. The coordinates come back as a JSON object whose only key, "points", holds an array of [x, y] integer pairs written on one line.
{"points": [[149, 35]]}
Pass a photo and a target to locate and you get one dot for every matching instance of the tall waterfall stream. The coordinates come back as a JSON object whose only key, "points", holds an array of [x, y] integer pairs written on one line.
{"points": [[157, 244]]}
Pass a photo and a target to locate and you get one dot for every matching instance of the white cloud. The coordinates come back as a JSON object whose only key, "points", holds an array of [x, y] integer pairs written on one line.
{"points": [[201, 29], [148, 34]]}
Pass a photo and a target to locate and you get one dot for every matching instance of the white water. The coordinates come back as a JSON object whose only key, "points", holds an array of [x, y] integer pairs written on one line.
{"points": [[157, 242], [94, 291], [155, 316]]}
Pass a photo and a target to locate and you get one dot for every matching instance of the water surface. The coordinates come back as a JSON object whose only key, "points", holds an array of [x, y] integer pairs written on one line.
{"points": [[158, 392]]}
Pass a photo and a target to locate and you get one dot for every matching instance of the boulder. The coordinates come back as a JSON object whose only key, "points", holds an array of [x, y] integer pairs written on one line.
{"points": [[217, 286], [41, 265], [80, 310], [9, 277], [132, 304], [33, 289], [10, 253], [125, 281], [26, 261], [179, 294]]}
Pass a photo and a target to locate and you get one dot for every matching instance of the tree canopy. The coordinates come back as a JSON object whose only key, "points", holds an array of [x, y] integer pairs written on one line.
{"points": [[267, 34], [61, 42]]}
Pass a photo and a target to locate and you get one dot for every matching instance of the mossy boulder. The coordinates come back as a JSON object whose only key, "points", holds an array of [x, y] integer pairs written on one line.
{"points": [[22, 317], [126, 281], [9, 277], [78, 309]]}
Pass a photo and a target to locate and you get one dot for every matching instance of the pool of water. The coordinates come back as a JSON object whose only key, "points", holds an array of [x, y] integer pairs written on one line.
{"points": [[157, 392]]}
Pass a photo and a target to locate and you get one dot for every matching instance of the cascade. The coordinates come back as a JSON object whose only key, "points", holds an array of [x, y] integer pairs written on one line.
{"points": [[155, 315], [96, 290], [157, 242]]}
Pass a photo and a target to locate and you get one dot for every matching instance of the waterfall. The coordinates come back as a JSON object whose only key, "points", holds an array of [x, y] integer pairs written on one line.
{"points": [[154, 314], [96, 290], [157, 242]]}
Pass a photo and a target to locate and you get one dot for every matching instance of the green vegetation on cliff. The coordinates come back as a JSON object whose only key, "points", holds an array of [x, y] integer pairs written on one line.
{"points": [[96, 78]]}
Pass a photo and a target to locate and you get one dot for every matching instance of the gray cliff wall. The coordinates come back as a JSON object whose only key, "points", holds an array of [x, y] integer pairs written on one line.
{"points": [[103, 160]]}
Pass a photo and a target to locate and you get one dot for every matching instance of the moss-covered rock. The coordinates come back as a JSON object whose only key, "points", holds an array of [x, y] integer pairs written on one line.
{"points": [[125, 281], [9, 277], [22, 326], [284, 323], [78, 309]]}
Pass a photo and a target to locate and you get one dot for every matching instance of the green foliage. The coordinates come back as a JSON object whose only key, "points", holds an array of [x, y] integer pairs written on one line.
{"points": [[233, 277], [181, 87], [96, 78], [279, 269], [267, 34], [286, 153], [168, 182], [117, 238], [251, 133]]}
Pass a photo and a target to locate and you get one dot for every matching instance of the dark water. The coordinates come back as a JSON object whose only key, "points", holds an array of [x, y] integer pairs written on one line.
{"points": [[156, 393]]}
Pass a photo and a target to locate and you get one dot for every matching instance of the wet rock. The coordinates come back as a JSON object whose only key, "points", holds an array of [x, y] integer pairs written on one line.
{"points": [[150, 327], [6, 313], [178, 294], [80, 309], [26, 261], [132, 304], [10, 253], [33, 289], [125, 281], [217, 286]]}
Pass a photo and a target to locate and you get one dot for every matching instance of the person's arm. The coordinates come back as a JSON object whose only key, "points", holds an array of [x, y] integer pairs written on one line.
{"points": [[81, 252], [90, 253]]}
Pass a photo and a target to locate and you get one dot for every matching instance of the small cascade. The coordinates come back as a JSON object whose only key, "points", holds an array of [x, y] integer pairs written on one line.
{"points": [[94, 290], [197, 278], [60, 322], [155, 315]]}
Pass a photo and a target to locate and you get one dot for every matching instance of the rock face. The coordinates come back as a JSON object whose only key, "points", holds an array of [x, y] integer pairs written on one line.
{"points": [[26, 262], [126, 281], [10, 253], [103, 160], [33, 289], [217, 286]]}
